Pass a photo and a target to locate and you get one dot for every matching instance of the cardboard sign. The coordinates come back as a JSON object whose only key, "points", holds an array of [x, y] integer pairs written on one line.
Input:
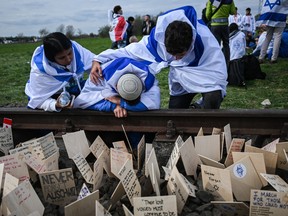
{"points": [[141, 153], [6, 140], [216, 131], [231, 208], [268, 203], [148, 150], [217, 182], [120, 145], [269, 157], [7, 123], [153, 171], [83, 207], [43, 147], [257, 160], [130, 181], [189, 157], [228, 136], [271, 146], [157, 205], [24, 200], [98, 146], [118, 193], [200, 132], [10, 184], [191, 188], [58, 186], [126, 211], [236, 146], [209, 146], [75, 143], [83, 167], [98, 172], [282, 160], [209, 162], [176, 186], [84, 191], [118, 159], [276, 182], [15, 166], [244, 178], [100, 210], [174, 157]]}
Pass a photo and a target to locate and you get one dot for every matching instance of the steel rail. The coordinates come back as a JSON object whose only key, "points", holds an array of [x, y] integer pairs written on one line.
{"points": [[242, 121]]}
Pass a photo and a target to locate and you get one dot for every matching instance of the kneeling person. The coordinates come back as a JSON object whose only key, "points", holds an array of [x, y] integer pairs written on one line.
{"points": [[127, 85]]}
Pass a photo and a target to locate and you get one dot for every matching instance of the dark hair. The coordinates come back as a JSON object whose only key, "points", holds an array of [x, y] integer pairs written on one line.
{"points": [[248, 9], [116, 9], [233, 27], [178, 37], [54, 43], [131, 19]]}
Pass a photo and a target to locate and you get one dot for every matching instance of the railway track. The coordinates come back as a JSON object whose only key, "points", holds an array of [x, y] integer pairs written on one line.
{"points": [[265, 122]]}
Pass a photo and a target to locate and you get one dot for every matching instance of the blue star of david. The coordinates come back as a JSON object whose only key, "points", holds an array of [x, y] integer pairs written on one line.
{"points": [[271, 5]]}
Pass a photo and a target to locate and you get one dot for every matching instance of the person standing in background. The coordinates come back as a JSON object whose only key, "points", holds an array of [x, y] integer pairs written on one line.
{"points": [[118, 26], [235, 18], [273, 16], [218, 12], [129, 31], [248, 26], [147, 25]]}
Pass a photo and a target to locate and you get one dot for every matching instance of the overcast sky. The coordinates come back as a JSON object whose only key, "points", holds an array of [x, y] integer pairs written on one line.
{"points": [[29, 16]]}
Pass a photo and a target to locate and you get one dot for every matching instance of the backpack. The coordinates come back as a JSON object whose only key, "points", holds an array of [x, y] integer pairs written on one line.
{"points": [[252, 69], [236, 73]]}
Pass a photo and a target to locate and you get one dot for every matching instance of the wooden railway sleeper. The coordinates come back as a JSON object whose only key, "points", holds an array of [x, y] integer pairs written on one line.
{"points": [[284, 132]]}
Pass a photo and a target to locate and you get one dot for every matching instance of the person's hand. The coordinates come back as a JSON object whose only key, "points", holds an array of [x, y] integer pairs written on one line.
{"points": [[114, 99], [120, 112], [96, 73]]}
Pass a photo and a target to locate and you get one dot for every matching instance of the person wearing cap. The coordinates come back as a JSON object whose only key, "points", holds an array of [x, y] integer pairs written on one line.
{"points": [[187, 46], [57, 68], [128, 85], [118, 27]]}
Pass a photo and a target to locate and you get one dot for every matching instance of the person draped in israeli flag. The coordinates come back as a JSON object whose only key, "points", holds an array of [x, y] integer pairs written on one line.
{"points": [[185, 45], [127, 85], [273, 16], [57, 66]]}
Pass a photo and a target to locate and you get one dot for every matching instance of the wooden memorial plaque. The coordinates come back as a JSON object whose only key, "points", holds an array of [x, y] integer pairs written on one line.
{"points": [[98, 146], [84, 191], [282, 160], [271, 146], [209, 162], [120, 145], [236, 146], [83, 167], [276, 182], [98, 173], [100, 210], [118, 159], [6, 140], [141, 153], [148, 150], [209, 146], [228, 136], [154, 171]]}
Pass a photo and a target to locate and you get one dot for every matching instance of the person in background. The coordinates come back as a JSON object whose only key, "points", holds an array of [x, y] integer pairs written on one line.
{"points": [[118, 26], [248, 27], [235, 18], [275, 20], [260, 40], [127, 85], [129, 30], [187, 46], [57, 68], [218, 12], [147, 25]]}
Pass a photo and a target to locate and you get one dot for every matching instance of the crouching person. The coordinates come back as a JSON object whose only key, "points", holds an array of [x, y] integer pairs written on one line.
{"points": [[127, 85]]}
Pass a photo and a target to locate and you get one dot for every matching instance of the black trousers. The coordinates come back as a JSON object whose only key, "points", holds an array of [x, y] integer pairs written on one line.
{"points": [[211, 100]]}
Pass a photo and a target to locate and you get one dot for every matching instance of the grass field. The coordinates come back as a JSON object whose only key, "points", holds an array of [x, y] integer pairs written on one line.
{"points": [[15, 69]]}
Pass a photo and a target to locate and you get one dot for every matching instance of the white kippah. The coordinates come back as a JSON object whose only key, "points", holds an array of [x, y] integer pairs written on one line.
{"points": [[129, 86]]}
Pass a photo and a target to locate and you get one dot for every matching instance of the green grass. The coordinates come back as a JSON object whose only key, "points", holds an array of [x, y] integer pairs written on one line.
{"points": [[15, 69]]}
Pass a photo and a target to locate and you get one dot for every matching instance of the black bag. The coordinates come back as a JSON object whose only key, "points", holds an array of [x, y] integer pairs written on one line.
{"points": [[236, 73], [252, 69]]}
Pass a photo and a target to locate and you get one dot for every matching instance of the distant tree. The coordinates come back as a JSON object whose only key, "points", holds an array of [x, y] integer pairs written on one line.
{"points": [[104, 31], [79, 31], [43, 32], [70, 31], [61, 28], [20, 35]]}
